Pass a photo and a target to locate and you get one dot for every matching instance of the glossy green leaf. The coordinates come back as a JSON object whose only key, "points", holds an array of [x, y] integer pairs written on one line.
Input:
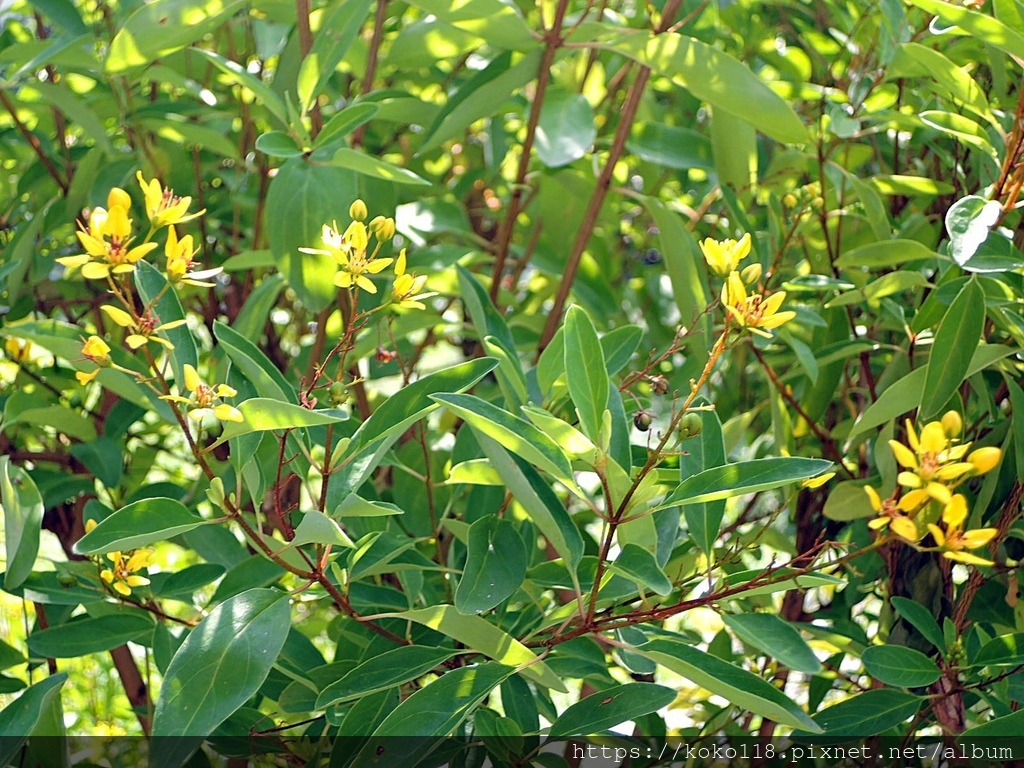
{"points": [[1002, 651], [585, 371], [866, 714], [278, 144], [498, 23], [222, 663], [980, 25], [23, 519], [968, 222], [138, 524], [734, 684], [363, 163], [637, 564], [337, 32], [80, 637], [670, 146], [432, 711], [238, 75], [921, 618], [565, 130], [263, 414], [734, 88], [317, 528], [162, 27], [900, 666], [495, 565], [483, 637], [357, 506], [390, 669], [20, 718], [344, 122], [1007, 726], [744, 477], [953, 349], [516, 435], [775, 637], [486, 318], [705, 451], [887, 253], [610, 707], [103, 457]]}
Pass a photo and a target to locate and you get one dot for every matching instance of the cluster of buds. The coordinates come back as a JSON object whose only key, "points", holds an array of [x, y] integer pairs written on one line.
{"points": [[933, 465]]}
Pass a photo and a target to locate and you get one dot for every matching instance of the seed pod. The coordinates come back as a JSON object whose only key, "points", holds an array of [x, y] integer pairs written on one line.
{"points": [[690, 425], [659, 384], [338, 394], [642, 421]]}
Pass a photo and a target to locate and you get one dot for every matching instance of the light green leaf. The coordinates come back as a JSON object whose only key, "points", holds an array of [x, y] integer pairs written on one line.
{"points": [[585, 371], [486, 318], [20, 718], [344, 122], [670, 146], [565, 130], [733, 88], [744, 477], [23, 519], [82, 636], [317, 528], [389, 670], [254, 364], [239, 75], [637, 564], [278, 144], [979, 25], [968, 222], [1002, 651], [495, 565], [483, 637], [734, 684], [498, 23], [900, 666], [262, 414], [357, 506], [336, 34], [887, 253], [222, 663], [610, 707], [362, 163], [1007, 726], [955, 343], [138, 524], [705, 451], [777, 638]]}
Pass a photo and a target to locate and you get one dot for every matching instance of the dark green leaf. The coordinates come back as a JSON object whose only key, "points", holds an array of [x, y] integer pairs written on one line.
{"points": [[19, 718], [866, 714], [955, 343], [90, 635], [610, 707], [900, 666], [495, 565], [390, 669], [922, 620], [777, 638], [254, 364], [637, 564], [151, 284], [278, 144], [335, 36], [744, 477], [586, 372]]}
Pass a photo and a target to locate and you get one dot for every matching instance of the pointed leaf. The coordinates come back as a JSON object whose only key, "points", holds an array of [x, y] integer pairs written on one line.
{"points": [[19, 718], [744, 477], [585, 371], [138, 524], [900, 666], [922, 620], [610, 707], [23, 519], [389, 670], [955, 343], [776, 637], [495, 565], [80, 637], [866, 714], [637, 564]]}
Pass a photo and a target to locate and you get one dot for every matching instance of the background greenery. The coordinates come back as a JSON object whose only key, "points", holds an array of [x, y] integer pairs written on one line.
{"points": [[534, 158]]}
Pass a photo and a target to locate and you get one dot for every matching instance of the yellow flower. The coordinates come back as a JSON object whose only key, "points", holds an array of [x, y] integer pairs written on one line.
{"points": [[817, 482], [142, 330], [406, 290], [954, 540], [357, 211], [754, 312], [203, 401], [162, 207], [350, 251], [891, 515], [107, 241], [121, 576], [724, 256], [95, 350], [179, 261], [19, 351]]}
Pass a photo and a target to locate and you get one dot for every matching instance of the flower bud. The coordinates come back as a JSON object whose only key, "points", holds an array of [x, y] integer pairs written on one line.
{"points": [[790, 200], [751, 273], [338, 394], [985, 459], [659, 385], [118, 196], [642, 421], [96, 350], [952, 424], [691, 425], [357, 211]]}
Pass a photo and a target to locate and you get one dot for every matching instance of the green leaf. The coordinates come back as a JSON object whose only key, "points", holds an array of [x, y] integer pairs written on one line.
{"points": [[979, 25], [103, 457], [734, 88], [866, 714], [363, 163], [389, 670], [357, 506], [1007, 726], [670, 146], [80, 637], [138, 524], [239, 75], [222, 663], [483, 637], [9, 656], [254, 364], [1002, 651], [637, 564], [887, 253], [151, 284], [344, 122], [777, 638], [968, 222], [317, 528], [397, 414], [619, 346], [23, 519], [744, 477], [585, 371], [538, 500], [734, 684], [278, 144], [495, 565], [19, 718], [263, 414], [900, 666], [705, 451], [518, 436], [498, 23], [921, 619], [162, 27], [486, 318], [955, 343], [336, 34], [610, 707], [565, 130], [433, 711]]}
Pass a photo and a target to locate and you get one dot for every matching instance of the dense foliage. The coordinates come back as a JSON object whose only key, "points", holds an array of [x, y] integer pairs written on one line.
{"points": [[510, 372]]}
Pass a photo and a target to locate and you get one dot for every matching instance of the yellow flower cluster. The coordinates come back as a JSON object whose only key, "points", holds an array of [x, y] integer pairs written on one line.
{"points": [[203, 401], [122, 576], [756, 312], [933, 465], [357, 261]]}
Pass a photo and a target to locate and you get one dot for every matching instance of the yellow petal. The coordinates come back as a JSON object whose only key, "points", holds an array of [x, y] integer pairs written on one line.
{"points": [[978, 537], [940, 493], [967, 558], [366, 284], [952, 424], [904, 455], [119, 316], [873, 497], [96, 270], [937, 534], [192, 380], [955, 512], [107, 575], [223, 390], [933, 438], [904, 528], [84, 378], [913, 499], [226, 412], [137, 581], [908, 479], [121, 588], [985, 459]]}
